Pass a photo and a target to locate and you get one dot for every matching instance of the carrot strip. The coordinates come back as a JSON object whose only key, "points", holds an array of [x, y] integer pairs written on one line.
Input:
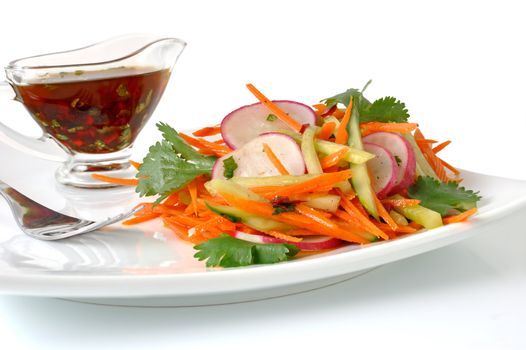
{"points": [[333, 158], [326, 131], [341, 134], [358, 216], [135, 164], [275, 160], [460, 217], [449, 166], [284, 236], [311, 222], [302, 232], [207, 131], [370, 127], [385, 215], [319, 108], [401, 229], [400, 203], [141, 218], [415, 225], [284, 117], [115, 180], [172, 199], [441, 146], [313, 185], [192, 188], [431, 157], [181, 231], [314, 215], [219, 150]]}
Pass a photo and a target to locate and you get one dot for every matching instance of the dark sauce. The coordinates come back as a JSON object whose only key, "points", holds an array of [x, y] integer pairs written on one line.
{"points": [[99, 115]]}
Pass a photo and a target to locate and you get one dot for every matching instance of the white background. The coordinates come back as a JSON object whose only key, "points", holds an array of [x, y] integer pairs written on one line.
{"points": [[458, 65]]}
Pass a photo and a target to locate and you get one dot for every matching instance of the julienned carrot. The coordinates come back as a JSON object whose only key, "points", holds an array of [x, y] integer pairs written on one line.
{"points": [[319, 108], [284, 236], [401, 229], [460, 217], [312, 185], [219, 150], [370, 127], [207, 131], [359, 217], [141, 218], [192, 188], [134, 164], [284, 117], [275, 160], [431, 157], [441, 146], [115, 180], [449, 166], [400, 203], [333, 158], [385, 215], [326, 131], [314, 215], [182, 230], [341, 134], [295, 219]]}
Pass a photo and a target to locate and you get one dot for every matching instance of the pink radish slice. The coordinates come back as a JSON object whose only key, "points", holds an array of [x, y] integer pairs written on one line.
{"points": [[247, 122], [401, 149], [308, 243], [252, 161], [382, 168]]}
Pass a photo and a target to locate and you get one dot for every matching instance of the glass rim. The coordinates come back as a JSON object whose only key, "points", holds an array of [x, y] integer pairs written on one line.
{"points": [[13, 65]]}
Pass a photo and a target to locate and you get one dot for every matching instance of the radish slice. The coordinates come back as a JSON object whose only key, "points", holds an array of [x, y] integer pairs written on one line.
{"points": [[403, 153], [248, 122], [308, 243], [252, 161], [382, 168]]}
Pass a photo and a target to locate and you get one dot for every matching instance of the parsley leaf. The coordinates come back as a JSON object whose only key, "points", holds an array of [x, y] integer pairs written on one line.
{"points": [[230, 166], [442, 197], [227, 251], [386, 109], [170, 164]]}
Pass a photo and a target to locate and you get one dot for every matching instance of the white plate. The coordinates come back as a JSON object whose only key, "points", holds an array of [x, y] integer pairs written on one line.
{"points": [[147, 265]]}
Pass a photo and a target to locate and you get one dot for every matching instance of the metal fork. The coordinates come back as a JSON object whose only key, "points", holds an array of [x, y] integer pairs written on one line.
{"points": [[42, 223]]}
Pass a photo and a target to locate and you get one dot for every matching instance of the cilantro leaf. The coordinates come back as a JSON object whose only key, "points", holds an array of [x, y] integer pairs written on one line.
{"points": [[342, 98], [227, 251], [442, 197], [170, 164], [230, 166], [386, 109]]}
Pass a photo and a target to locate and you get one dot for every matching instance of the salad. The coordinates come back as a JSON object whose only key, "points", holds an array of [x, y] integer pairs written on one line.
{"points": [[279, 178]]}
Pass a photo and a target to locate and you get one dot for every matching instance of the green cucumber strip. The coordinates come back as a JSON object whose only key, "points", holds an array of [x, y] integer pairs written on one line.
{"points": [[309, 151], [360, 176], [421, 215], [217, 186], [251, 220], [353, 155], [422, 166]]}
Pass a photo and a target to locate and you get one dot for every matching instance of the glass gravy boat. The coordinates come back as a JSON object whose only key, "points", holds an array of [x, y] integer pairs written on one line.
{"points": [[92, 102]]}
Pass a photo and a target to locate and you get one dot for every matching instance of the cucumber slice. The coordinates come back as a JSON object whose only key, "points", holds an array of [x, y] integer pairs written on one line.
{"points": [[309, 151], [353, 155], [422, 166], [225, 186], [360, 176], [251, 220], [421, 215]]}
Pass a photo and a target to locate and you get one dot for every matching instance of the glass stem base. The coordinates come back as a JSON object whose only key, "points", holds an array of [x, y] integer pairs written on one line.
{"points": [[78, 170]]}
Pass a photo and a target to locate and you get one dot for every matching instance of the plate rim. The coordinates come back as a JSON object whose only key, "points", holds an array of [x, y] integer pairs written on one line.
{"points": [[256, 277]]}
